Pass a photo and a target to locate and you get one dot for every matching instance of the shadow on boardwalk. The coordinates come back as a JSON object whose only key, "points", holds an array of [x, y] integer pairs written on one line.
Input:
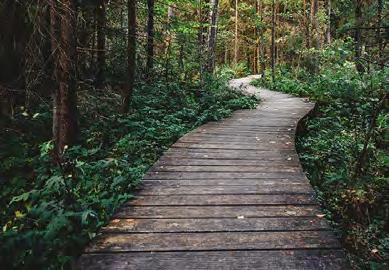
{"points": [[229, 195]]}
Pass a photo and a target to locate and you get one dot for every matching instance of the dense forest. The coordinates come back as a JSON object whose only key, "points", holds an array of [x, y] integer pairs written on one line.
{"points": [[92, 92]]}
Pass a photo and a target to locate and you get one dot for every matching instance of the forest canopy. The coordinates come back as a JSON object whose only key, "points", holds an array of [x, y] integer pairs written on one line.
{"points": [[92, 92]]}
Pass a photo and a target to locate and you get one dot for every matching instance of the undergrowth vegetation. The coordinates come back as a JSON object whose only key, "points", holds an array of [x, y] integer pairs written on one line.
{"points": [[50, 210], [344, 148]]}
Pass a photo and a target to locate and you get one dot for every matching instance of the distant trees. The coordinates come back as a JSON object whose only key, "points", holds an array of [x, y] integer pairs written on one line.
{"points": [[53, 49]]}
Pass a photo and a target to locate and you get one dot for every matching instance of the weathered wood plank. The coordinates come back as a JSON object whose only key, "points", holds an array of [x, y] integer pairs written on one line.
{"points": [[153, 242], [210, 154], [221, 168], [215, 199], [240, 140], [243, 190], [227, 162], [246, 211], [222, 175], [257, 146], [217, 260], [214, 225], [258, 183]]}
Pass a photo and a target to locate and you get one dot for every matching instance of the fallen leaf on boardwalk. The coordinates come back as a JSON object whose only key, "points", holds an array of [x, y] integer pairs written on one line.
{"points": [[291, 212], [374, 250], [240, 217], [320, 215], [289, 158], [272, 142]]}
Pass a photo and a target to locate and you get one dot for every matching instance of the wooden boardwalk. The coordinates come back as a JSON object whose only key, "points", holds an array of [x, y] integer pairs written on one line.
{"points": [[229, 195]]}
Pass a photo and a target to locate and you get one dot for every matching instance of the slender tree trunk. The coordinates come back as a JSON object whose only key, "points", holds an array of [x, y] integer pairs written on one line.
{"points": [[168, 40], [361, 161], [201, 39], [380, 4], [307, 24], [314, 24], [65, 126], [226, 53], [101, 24], [127, 93], [212, 34], [236, 46], [257, 50], [273, 47], [262, 46], [150, 38], [357, 35], [328, 29]]}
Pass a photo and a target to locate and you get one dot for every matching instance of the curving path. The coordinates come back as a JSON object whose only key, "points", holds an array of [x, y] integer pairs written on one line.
{"points": [[229, 195]]}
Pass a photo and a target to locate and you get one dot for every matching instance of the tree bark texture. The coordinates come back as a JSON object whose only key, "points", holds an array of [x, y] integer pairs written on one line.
{"points": [[63, 29], [131, 51], [101, 25], [212, 34], [150, 37]]}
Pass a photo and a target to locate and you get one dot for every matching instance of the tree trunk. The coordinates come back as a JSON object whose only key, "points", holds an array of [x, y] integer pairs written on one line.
{"points": [[65, 126], [236, 46], [328, 29], [101, 24], [273, 47], [361, 161], [131, 54], [307, 25], [150, 38], [314, 24], [380, 4], [262, 51], [212, 34], [357, 35]]}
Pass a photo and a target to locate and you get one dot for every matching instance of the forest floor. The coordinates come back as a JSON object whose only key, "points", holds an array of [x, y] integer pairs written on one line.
{"points": [[230, 194]]}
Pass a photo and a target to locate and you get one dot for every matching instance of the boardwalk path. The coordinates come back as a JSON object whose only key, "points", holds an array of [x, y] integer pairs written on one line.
{"points": [[229, 195]]}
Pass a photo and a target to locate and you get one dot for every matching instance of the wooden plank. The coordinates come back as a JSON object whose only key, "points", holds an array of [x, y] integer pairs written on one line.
{"points": [[228, 155], [214, 225], [227, 162], [258, 146], [153, 242], [218, 260], [256, 183], [221, 168], [214, 199], [236, 153], [246, 211], [258, 189], [242, 140], [242, 143], [221, 175]]}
